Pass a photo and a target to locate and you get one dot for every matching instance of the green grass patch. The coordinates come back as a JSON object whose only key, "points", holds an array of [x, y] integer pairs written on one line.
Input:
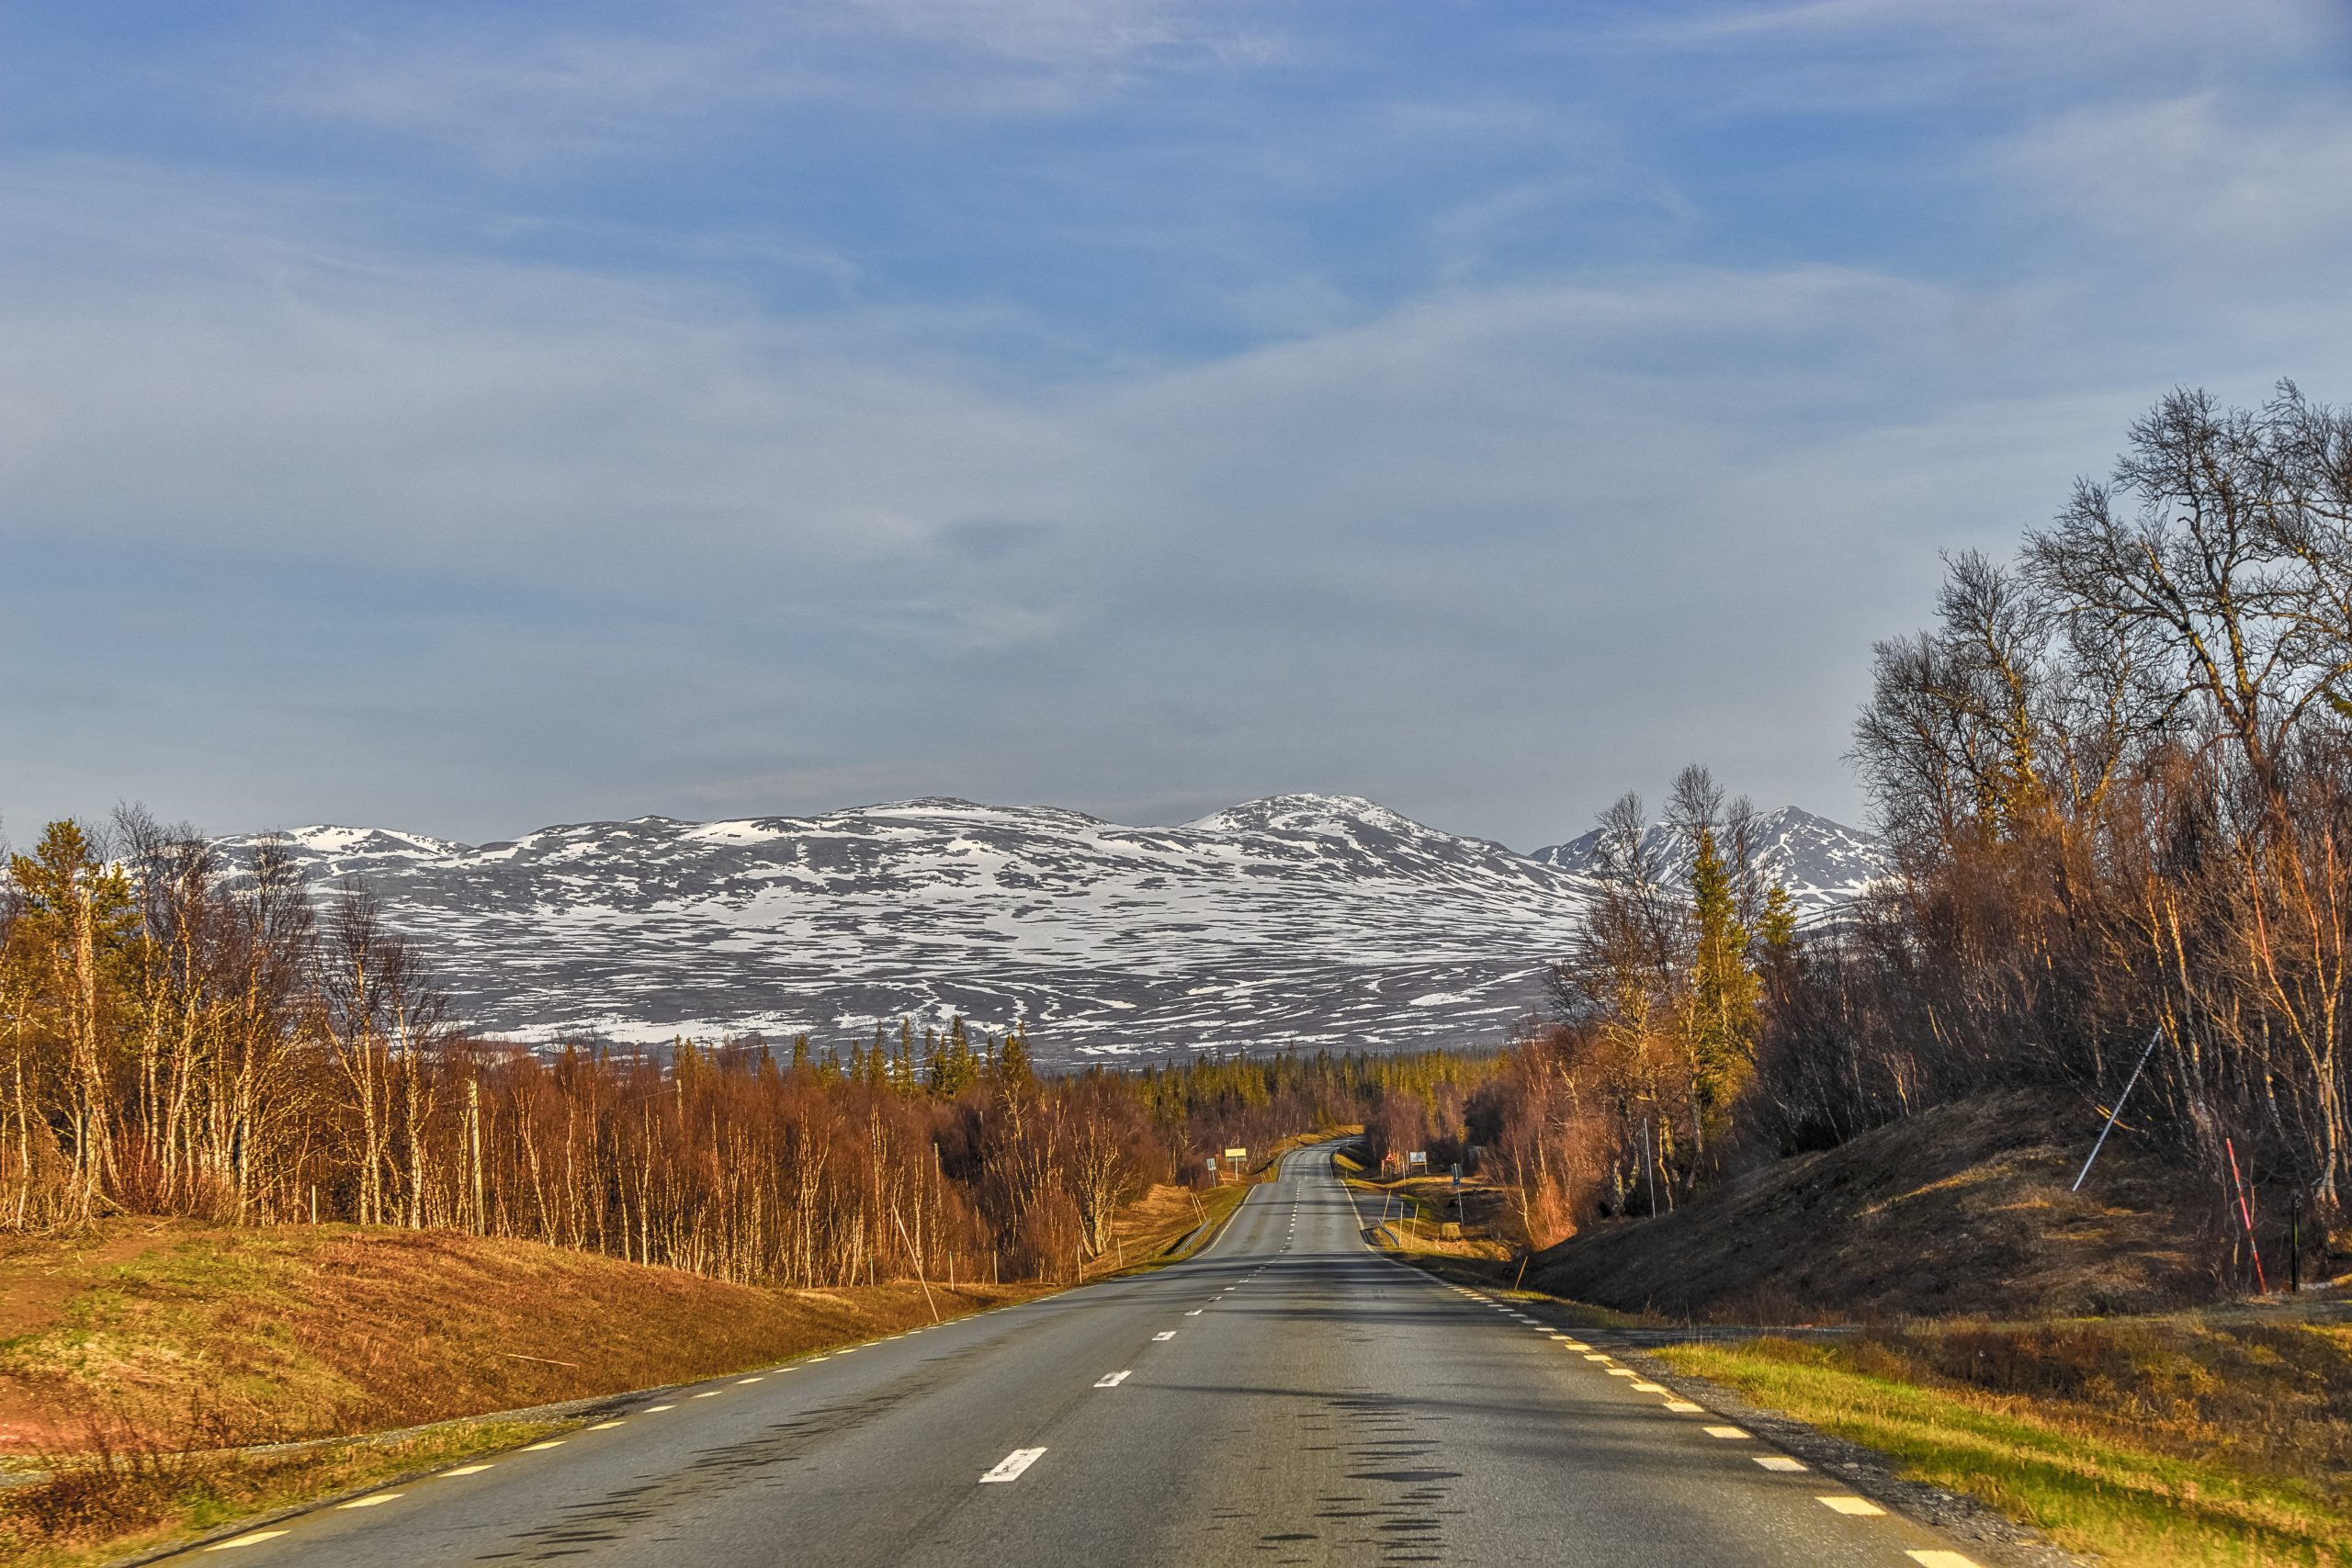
{"points": [[2078, 1476], [1577, 1315]]}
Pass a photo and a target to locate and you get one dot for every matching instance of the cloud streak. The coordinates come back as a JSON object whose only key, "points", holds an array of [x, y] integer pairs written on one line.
{"points": [[1483, 443]]}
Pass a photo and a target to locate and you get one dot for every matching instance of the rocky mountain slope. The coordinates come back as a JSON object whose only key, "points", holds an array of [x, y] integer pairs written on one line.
{"points": [[1822, 864], [1316, 921]]}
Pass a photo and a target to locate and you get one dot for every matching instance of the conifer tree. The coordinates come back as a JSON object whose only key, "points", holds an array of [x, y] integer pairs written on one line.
{"points": [[1723, 990]]}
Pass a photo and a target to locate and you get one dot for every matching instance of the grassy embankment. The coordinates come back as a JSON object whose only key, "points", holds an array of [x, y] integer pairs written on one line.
{"points": [[1418, 1210], [1414, 1213], [2147, 1436], [2150, 1442], [140, 1361]]}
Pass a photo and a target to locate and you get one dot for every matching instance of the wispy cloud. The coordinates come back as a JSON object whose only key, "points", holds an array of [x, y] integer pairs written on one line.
{"points": [[1122, 403], [518, 93]]}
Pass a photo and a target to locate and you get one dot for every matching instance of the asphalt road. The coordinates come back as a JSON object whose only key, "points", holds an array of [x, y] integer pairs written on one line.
{"points": [[1289, 1397]]}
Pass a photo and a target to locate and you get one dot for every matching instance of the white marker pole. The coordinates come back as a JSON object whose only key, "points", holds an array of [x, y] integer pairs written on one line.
{"points": [[2118, 1111]]}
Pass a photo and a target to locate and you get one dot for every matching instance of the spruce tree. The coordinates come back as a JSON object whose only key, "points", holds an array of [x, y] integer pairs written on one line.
{"points": [[1723, 991]]}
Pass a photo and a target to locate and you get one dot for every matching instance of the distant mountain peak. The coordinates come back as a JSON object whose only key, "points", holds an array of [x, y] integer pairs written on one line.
{"points": [[1305, 813], [1299, 918], [1823, 863]]}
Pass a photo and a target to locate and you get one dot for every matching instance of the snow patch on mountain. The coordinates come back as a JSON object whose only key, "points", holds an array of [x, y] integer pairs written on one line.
{"points": [[1308, 919], [1823, 863]]}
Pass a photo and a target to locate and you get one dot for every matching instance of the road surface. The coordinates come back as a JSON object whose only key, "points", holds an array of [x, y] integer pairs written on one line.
{"points": [[1289, 1397]]}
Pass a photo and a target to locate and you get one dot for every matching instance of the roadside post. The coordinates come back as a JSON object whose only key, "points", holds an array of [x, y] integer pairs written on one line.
{"points": [[2112, 1114], [2295, 1246]]}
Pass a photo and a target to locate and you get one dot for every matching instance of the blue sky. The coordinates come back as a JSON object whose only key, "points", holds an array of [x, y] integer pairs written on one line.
{"points": [[468, 417]]}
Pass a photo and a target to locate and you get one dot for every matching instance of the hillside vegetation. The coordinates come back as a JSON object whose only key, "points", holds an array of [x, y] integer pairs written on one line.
{"points": [[1960, 1209]]}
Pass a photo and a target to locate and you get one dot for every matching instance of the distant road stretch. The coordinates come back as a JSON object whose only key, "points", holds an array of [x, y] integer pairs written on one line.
{"points": [[1290, 1397]]}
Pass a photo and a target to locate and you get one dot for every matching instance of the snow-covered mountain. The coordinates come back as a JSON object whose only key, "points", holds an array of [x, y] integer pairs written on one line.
{"points": [[1822, 864], [1309, 919]]}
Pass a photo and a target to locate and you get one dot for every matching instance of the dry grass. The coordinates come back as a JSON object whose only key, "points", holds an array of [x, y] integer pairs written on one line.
{"points": [[301, 1333], [1960, 1210], [1419, 1208], [141, 1356], [1167, 1225], [120, 1493], [138, 1358], [150, 1364], [2152, 1442]]}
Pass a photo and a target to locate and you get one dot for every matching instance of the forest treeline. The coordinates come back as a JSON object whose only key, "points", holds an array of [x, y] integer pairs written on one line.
{"points": [[182, 1037], [2115, 778]]}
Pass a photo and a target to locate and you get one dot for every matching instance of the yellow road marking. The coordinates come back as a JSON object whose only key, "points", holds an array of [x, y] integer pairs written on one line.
{"points": [[466, 1469], [371, 1501], [254, 1539], [1724, 1431], [1649, 1388], [1858, 1506], [542, 1448], [1941, 1559], [1623, 1373], [1683, 1407], [1779, 1462]]}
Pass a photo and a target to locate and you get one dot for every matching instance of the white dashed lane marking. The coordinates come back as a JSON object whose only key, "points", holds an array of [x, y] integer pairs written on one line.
{"points": [[1165, 1334], [464, 1469], [1009, 1467], [1114, 1380], [1861, 1507], [1941, 1559], [1724, 1431], [370, 1502], [1778, 1461], [542, 1448]]}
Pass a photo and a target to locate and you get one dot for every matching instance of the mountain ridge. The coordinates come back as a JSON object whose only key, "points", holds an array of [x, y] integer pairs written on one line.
{"points": [[1311, 919]]}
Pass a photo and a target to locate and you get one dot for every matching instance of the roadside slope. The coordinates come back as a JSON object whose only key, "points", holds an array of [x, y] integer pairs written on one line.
{"points": [[189, 1336], [1963, 1209]]}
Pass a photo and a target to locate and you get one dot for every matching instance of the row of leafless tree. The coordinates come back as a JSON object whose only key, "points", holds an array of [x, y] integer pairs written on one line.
{"points": [[2116, 776], [182, 1037]]}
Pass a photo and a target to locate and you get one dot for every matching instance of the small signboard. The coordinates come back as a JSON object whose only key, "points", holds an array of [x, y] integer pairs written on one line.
{"points": [[1417, 1157], [1210, 1162], [1237, 1153]]}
